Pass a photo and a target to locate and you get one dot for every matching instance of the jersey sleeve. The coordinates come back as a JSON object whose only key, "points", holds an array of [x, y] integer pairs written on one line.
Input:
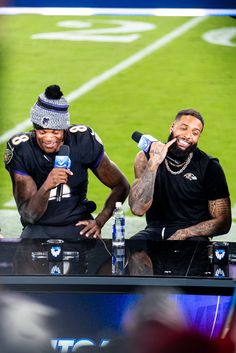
{"points": [[88, 144], [215, 181], [14, 154]]}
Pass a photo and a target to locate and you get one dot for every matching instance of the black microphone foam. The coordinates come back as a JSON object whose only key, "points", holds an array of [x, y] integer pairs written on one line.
{"points": [[144, 142], [90, 206], [64, 151], [136, 136]]}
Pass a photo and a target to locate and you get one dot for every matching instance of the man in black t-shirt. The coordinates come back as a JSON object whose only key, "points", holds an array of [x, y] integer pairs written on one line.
{"points": [[181, 189], [30, 159]]}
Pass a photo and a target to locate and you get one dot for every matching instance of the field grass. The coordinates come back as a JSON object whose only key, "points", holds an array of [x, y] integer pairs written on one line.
{"points": [[187, 72]]}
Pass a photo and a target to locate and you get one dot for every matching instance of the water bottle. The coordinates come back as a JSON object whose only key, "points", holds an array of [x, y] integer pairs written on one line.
{"points": [[118, 226], [118, 260]]}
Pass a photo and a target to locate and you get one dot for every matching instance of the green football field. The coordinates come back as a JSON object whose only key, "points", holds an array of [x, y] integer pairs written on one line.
{"points": [[121, 74]]}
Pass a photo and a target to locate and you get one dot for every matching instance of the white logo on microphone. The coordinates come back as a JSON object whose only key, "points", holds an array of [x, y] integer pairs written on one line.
{"points": [[55, 251], [220, 253]]}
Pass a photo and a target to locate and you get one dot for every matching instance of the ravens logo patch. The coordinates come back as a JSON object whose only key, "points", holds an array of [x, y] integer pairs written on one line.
{"points": [[8, 154]]}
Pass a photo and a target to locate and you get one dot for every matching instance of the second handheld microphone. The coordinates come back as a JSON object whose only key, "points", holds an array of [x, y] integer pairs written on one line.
{"points": [[144, 141]]}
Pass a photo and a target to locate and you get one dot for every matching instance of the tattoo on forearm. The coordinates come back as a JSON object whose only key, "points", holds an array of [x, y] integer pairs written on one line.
{"points": [[204, 228], [221, 219], [142, 192], [219, 207]]}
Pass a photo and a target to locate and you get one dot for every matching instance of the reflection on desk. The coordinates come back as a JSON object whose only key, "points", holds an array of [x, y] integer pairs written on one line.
{"points": [[97, 257]]}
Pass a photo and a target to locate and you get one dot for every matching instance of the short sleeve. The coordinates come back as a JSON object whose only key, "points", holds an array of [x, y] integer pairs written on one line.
{"points": [[88, 144], [14, 152], [215, 182]]}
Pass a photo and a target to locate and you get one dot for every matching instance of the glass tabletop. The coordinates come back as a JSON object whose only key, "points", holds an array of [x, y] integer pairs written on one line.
{"points": [[188, 259]]}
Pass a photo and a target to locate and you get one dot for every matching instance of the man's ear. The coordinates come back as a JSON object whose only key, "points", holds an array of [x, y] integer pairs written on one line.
{"points": [[172, 126]]}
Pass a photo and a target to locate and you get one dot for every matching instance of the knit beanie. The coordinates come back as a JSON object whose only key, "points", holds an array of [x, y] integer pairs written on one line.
{"points": [[51, 110]]}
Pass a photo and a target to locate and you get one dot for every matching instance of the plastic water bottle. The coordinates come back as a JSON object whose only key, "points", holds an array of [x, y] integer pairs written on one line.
{"points": [[118, 226], [118, 260]]}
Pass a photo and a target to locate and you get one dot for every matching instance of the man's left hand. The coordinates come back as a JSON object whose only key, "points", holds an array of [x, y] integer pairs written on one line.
{"points": [[91, 228], [180, 234]]}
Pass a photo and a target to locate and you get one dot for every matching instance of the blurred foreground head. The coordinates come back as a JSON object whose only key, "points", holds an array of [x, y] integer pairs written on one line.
{"points": [[155, 305], [151, 338], [25, 325], [156, 324]]}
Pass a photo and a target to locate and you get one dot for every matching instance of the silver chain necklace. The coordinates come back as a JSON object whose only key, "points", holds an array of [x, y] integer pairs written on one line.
{"points": [[186, 163], [175, 164]]}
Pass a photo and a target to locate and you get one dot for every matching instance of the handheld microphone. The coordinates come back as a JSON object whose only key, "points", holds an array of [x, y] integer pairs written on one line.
{"points": [[62, 160], [144, 141]]}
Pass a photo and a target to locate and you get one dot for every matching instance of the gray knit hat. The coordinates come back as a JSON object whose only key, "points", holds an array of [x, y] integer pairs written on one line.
{"points": [[51, 110]]}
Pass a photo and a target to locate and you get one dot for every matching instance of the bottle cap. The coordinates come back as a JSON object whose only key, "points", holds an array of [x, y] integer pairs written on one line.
{"points": [[118, 204]]}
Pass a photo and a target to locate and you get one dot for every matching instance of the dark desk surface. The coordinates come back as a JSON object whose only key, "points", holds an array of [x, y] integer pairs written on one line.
{"points": [[89, 262]]}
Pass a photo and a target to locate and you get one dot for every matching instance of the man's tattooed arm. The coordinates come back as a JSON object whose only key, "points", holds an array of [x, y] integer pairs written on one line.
{"points": [[219, 223], [141, 193]]}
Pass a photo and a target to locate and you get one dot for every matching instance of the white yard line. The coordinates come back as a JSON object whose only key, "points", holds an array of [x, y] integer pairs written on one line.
{"points": [[133, 59], [18, 128], [91, 84]]}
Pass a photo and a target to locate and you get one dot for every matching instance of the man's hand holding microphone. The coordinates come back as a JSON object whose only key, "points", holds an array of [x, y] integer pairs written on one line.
{"points": [[153, 149], [59, 174]]}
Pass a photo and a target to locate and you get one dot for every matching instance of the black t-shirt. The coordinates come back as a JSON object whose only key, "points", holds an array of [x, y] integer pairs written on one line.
{"points": [[215, 182], [23, 156], [182, 199]]}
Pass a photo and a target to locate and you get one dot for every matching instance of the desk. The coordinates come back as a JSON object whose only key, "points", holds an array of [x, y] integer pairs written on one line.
{"points": [[83, 286], [88, 265]]}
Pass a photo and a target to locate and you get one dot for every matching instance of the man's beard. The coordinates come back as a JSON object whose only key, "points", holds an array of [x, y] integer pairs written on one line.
{"points": [[176, 151]]}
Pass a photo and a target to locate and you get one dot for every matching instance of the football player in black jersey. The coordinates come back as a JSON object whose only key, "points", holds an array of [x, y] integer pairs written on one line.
{"points": [[30, 159], [181, 189]]}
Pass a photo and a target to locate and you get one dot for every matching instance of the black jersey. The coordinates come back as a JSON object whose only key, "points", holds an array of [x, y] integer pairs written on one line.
{"points": [[182, 199], [23, 156]]}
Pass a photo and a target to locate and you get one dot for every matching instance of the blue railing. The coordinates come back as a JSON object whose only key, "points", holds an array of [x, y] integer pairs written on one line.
{"points": [[204, 4]]}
